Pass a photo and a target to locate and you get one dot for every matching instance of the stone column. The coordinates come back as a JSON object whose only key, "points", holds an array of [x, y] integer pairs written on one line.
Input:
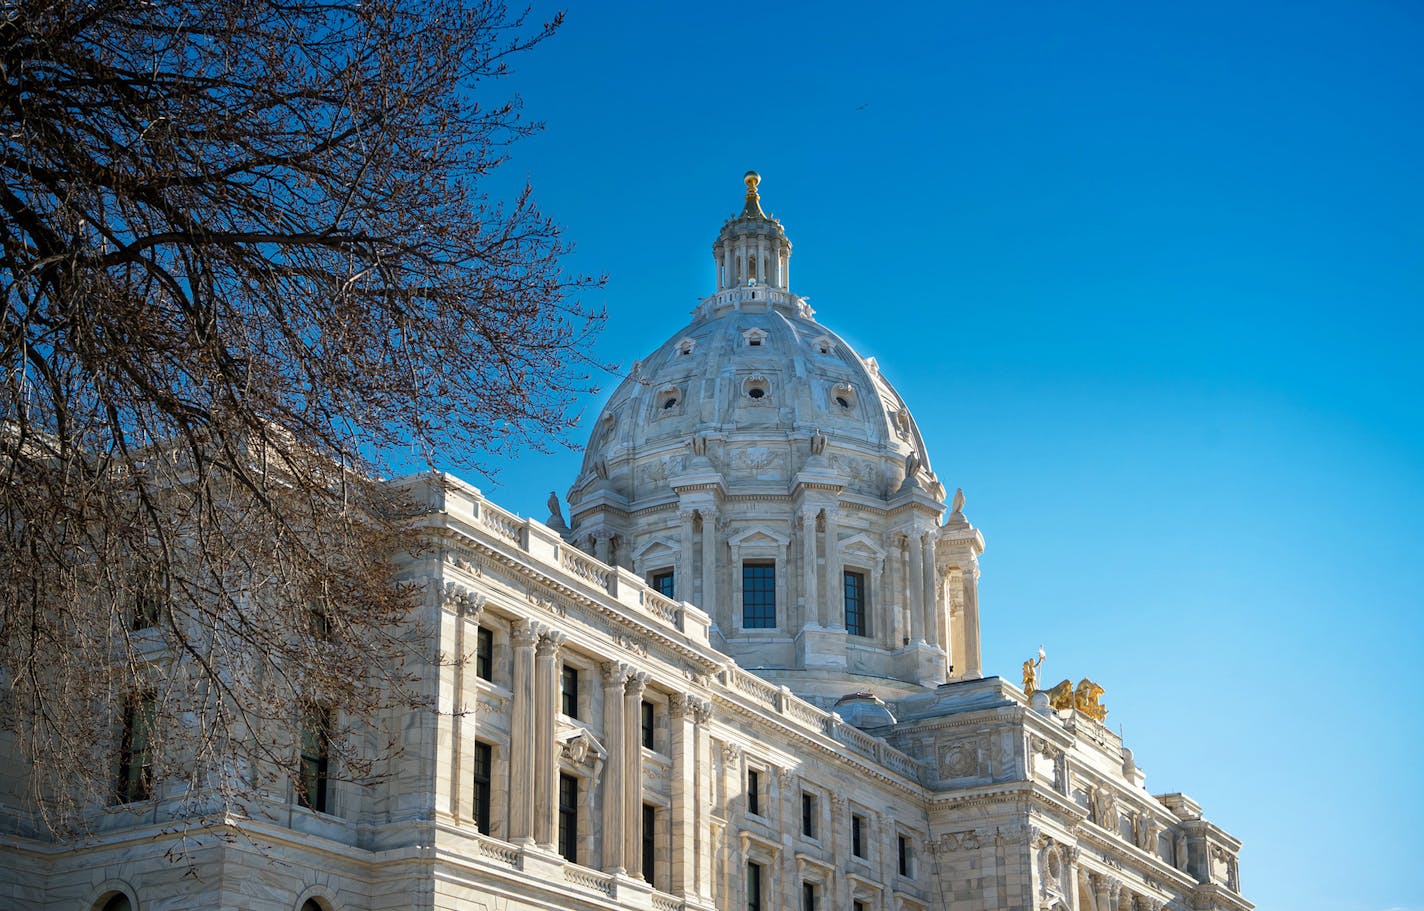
{"points": [[614, 676], [733, 787], [810, 614], [682, 580], [833, 604], [840, 847], [917, 589], [709, 569], [521, 735], [633, 773], [880, 617], [546, 760], [931, 608], [683, 816], [468, 607], [702, 810], [602, 546], [971, 657]]}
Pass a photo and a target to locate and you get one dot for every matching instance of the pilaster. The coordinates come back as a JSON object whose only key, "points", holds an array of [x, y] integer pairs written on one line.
{"points": [[521, 734], [615, 676]]}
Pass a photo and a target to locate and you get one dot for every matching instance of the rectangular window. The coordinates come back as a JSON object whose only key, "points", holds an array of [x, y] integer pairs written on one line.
{"points": [[568, 817], [135, 777], [856, 604], [758, 595], [808, 815], [148, 601], [754, 791], [568, 686], [650, 841], [753, 886], [318, 621], [648, 725], [663, 582], [484, 763], [316, 748], [484, 654], [903, 844], [857, 906], [857, 835], [808, 897]]}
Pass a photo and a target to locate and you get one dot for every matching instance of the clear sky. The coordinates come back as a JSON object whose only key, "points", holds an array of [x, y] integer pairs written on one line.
{"points": [[1150, 277]]}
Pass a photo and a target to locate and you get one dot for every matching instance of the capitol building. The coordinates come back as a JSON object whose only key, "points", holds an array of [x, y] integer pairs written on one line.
{"points": [[738, 668]]}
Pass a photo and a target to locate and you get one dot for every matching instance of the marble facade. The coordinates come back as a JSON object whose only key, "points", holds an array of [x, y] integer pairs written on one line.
{"points": [[828, 738]]}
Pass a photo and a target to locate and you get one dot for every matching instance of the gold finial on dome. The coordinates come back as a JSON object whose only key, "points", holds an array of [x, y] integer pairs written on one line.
{"points": [[753, 207]]}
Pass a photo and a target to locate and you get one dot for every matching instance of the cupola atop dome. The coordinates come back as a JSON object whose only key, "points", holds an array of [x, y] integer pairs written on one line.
{"points": [[752, 248]]}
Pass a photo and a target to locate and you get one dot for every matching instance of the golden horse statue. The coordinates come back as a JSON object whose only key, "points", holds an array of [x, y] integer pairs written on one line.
{"points": [[1084, 698]]}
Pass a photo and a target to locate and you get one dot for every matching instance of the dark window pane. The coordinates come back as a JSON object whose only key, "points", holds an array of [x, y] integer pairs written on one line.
{"points": [[484, 761], [569, 683], [316, 734], [753, 792], [650, 841], [808, 897], [648, 725], [856, 604], [903, 844], [135, 778], [568, 817], [484, 654], [857, 836], [758, 595], [663, 583], [753, 886], [808, 815]]}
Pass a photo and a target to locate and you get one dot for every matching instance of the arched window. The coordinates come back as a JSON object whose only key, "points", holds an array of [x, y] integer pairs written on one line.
{"points": [[117, 902], [312, 904]]}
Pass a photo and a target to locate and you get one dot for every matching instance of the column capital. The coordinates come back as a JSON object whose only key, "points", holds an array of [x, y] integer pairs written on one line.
{"points": [[463, 601], [637, 682], [701, 711], [615, 673], [524, 633], [549, 642]]}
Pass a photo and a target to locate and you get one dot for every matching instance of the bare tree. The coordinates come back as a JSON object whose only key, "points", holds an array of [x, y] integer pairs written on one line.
{"points": [[246, 252]]}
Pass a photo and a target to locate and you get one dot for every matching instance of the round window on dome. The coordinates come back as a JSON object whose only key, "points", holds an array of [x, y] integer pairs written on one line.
{"points": [[757, 389], [843, 396]]}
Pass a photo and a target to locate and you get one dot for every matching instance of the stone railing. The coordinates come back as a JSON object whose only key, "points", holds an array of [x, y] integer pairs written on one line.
{"points": [[753, 686], [505, 524], [589, 879], [663, 902], [455, 500], [802, 714], [585, 568], [665, 609], [803, 711], [498, 850]]}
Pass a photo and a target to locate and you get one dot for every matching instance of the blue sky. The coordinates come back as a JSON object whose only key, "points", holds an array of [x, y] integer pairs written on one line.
{"points": [[1150, 278]]}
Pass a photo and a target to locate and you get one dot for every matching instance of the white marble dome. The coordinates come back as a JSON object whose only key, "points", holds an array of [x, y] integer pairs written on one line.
{"points": [[756, 449]]}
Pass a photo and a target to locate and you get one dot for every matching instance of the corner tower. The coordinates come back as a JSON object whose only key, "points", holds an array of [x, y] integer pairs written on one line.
{"points": [[757, 466]]}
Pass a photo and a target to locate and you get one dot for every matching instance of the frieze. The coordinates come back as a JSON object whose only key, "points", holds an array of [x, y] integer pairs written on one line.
{"points": [[950, 842]]}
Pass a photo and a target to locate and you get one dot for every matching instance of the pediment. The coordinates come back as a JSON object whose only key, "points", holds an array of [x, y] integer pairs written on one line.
{"points": [[759, 537]]}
